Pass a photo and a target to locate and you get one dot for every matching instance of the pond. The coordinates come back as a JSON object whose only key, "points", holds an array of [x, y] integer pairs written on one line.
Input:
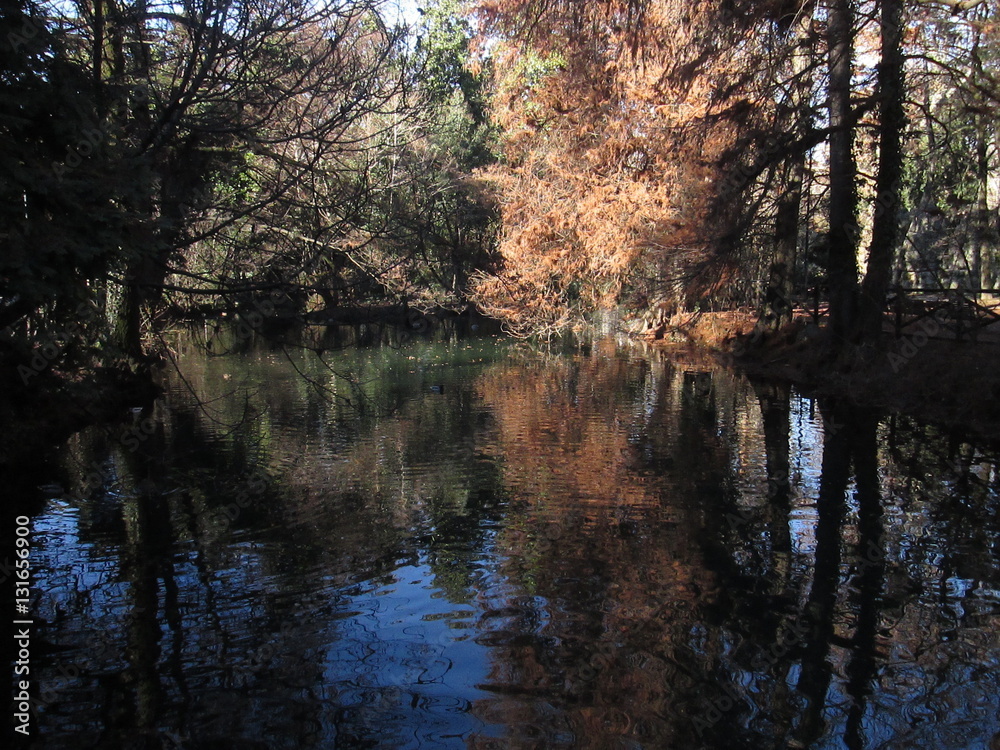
{"points": [[462, 541]]}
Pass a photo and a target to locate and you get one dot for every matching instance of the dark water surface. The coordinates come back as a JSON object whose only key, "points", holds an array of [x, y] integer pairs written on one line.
{"points": [[469, 543]]}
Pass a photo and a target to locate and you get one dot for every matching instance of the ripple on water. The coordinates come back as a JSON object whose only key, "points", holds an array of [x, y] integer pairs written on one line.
{"points": [[543, 551]]}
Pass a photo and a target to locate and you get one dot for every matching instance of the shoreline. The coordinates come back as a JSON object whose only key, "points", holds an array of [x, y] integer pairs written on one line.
{"points": [[949, 384], [952, 384]]}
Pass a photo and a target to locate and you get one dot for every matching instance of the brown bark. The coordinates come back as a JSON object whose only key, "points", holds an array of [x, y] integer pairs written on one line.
{"points": [[885, 230], [776, 310], [842, 265]]}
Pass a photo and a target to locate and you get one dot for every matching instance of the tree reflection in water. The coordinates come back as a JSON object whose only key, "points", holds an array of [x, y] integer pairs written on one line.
{"points": [[599, 549]]}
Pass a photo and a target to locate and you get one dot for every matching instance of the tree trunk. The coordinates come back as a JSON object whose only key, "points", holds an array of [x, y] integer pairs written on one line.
{"points": [[982, 240], [140, 270], [842, 267], [985, 236], [776, 310], [885, 230]]}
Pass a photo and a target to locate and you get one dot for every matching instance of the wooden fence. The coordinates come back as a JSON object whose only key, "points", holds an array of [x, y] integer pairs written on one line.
{"points": [[959, 313], [965, 312]]}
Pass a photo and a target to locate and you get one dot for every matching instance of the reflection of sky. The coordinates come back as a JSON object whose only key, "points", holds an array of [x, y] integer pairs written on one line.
{"points": [[393, 659], [406, 646], [62, 564], [806, 445], [805, 467], [389, 655]]}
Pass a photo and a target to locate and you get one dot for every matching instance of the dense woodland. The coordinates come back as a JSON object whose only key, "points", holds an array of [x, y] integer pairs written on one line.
{"points": [[274, 157], [663, 156], [539, 161]]}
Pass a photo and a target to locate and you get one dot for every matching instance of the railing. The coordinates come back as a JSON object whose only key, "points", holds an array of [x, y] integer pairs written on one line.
{"points": [[962, 312]]}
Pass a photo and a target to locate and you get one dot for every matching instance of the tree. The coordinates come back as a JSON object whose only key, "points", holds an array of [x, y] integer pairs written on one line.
{"points": [[844, 231], [616, 117], [659, 157], [892, 121], [280, 92], [389, 214], [52, 186], [200, 117], [438, 220]]}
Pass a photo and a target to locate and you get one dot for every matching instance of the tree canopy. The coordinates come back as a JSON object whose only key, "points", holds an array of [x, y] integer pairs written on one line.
{"points": [[662, 156], [172, 156]]}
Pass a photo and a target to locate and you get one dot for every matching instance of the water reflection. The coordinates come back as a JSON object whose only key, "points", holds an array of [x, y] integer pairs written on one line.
{"points": [[465, 543]]}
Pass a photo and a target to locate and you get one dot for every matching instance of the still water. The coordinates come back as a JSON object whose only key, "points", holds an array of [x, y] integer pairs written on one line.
{"points": [[466, 542]]}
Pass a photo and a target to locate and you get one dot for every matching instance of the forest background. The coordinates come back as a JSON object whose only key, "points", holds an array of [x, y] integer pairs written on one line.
{"points": [[541, 161]]}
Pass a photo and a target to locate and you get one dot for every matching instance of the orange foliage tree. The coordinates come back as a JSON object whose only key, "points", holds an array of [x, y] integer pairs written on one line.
{"points": [[621, 122]]}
